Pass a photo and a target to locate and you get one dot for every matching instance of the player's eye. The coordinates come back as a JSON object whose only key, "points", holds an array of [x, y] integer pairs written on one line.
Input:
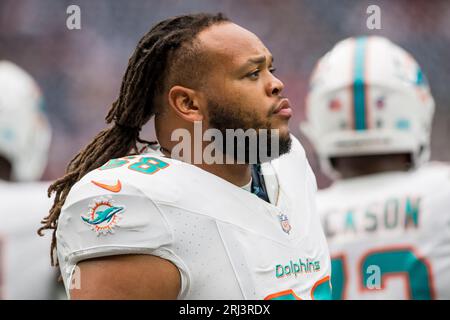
{"points": [[254, 75]]}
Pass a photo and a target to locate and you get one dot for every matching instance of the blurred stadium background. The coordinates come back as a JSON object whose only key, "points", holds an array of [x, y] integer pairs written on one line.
{"points": [[80, 71]]}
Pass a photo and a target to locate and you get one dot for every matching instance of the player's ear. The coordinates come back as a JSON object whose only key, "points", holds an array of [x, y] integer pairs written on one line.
{"points": [[186, 103]]}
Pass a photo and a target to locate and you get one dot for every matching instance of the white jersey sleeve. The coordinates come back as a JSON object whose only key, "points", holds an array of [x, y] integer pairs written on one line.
{"points": [[84, 232]]}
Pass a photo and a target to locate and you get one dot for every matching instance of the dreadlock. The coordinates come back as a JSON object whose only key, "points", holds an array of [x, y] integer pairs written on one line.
{"points": [[143, 81]]}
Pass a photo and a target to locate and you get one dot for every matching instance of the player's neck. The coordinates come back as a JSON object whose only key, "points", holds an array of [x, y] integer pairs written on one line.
{"points": [[237, 174]]}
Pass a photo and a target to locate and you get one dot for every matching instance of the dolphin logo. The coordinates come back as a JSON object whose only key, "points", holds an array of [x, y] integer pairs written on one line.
{"points": [[103, 216]]}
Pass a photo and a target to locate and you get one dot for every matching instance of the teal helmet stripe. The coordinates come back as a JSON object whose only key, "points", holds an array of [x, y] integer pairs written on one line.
{"points": [[359, 94]]}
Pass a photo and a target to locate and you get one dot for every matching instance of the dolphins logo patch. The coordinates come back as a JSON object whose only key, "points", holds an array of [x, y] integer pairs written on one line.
{"points": [[103, 215]]}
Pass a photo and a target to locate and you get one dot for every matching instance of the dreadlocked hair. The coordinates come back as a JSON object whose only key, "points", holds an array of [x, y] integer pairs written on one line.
{"points": [[148, 69]]}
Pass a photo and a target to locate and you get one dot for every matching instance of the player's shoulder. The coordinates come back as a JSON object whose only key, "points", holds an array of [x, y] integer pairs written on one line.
{"points": [[342, 191], [138, 175], [436, 174], [328, 195], [122, 193], [435, 168], [112, 210]]}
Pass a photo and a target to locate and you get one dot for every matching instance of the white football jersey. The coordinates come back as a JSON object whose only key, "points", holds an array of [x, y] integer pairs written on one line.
{"points": [[25, 271], [226, 242], [389, 234]]}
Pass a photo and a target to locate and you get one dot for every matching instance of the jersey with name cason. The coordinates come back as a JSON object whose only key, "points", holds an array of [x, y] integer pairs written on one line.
{"points": [[389, 234], [226, 242]]}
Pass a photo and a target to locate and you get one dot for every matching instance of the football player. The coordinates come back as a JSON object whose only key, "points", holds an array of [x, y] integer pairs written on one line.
{"points": [[24, 143], [159, 226], [387, 214]]}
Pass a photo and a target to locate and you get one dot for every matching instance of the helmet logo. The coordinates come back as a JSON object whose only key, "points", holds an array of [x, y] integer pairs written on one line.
{"points": [[335, 104]]}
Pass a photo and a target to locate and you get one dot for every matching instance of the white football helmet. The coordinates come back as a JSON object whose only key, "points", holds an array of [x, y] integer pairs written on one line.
{"points": [[368, 97], [24, 129]]}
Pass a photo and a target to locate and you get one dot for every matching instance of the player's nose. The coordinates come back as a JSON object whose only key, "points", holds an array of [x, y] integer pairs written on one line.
{"points": [[274, 86]]}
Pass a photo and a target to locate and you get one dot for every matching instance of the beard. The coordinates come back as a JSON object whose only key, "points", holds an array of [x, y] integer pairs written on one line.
{"points": [[260, 144]]}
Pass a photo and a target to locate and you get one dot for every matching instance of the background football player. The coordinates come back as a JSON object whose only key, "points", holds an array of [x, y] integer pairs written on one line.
{"points": [[24, 143], [153, 227], [387, 215]]}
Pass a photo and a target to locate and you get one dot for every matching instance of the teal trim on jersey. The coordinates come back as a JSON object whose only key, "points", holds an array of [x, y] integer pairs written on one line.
{"points": [[287, 296], [397, 262], [359, 95], [322, 291], [337, 278]]}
